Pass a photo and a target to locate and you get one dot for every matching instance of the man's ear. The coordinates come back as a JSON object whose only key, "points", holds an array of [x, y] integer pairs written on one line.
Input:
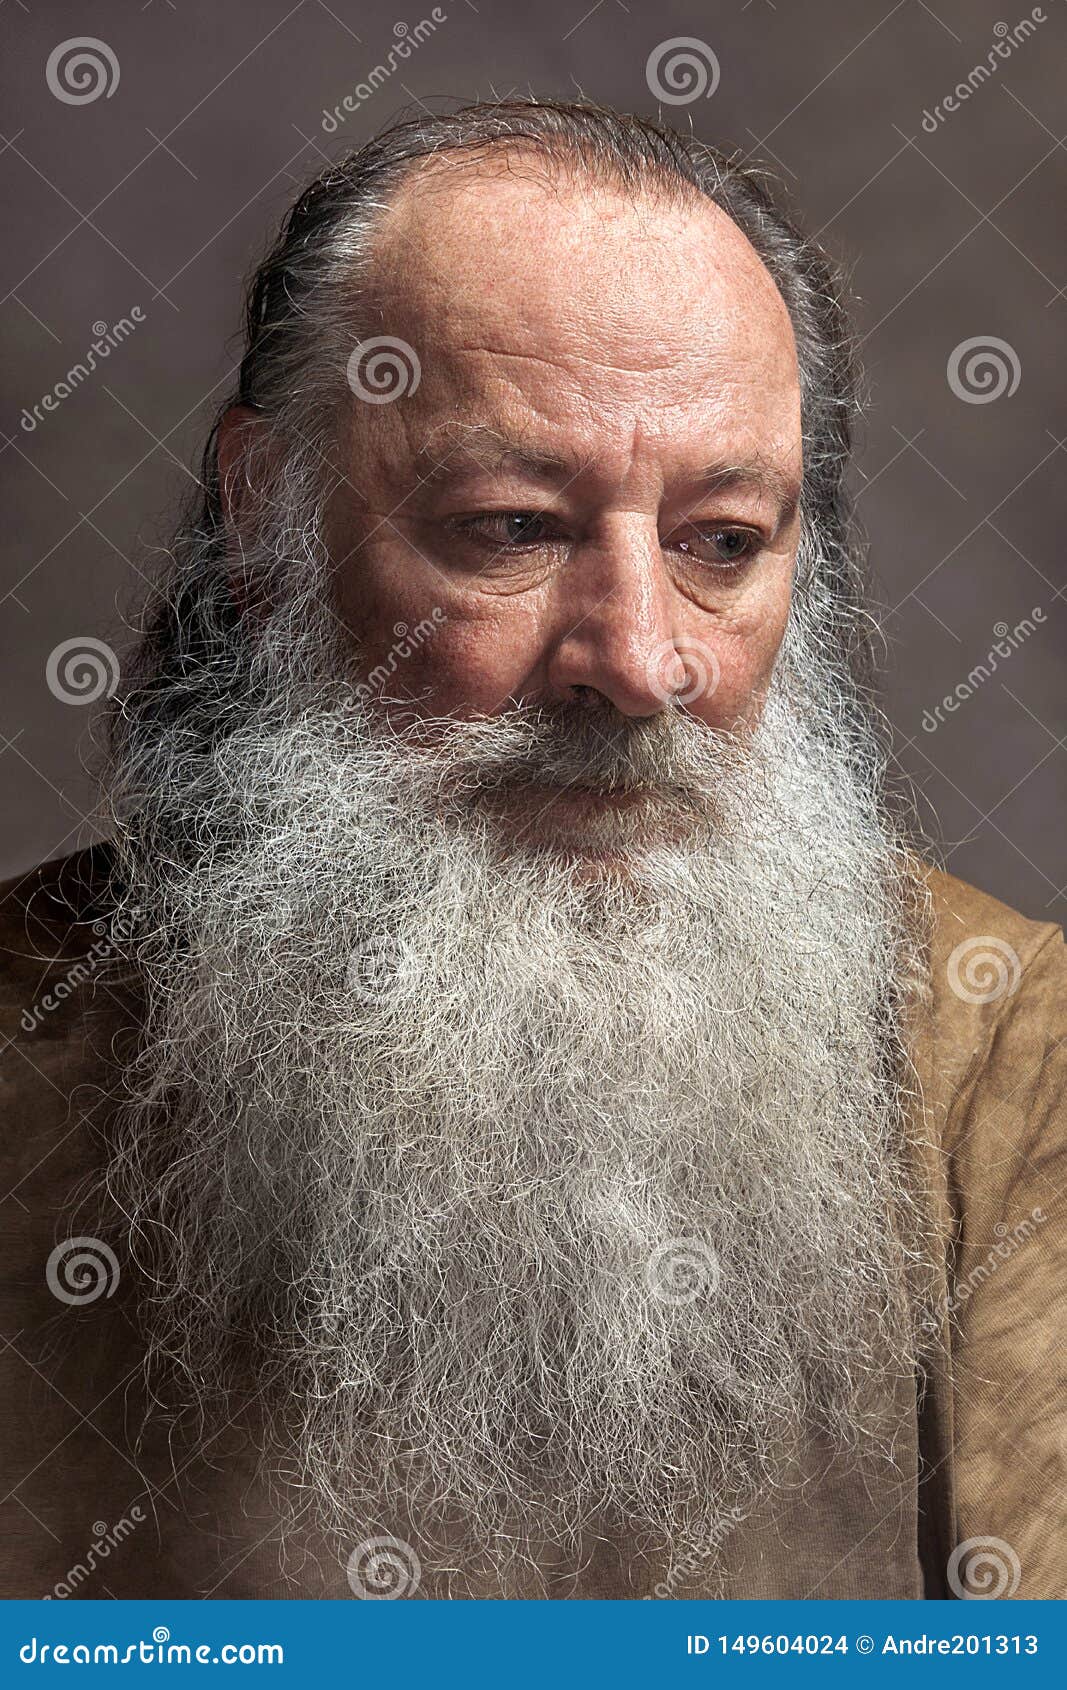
{"points": [[233, 453], [233, 446]]}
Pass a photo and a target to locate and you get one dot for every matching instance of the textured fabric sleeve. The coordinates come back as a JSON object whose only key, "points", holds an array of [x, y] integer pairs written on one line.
{"points": [[1008, 1297]]}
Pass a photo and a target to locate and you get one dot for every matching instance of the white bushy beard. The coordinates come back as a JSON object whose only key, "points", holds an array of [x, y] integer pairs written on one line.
{"points": [[543, 1202]]}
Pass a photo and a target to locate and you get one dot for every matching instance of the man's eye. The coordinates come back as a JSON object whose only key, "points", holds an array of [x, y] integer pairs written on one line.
{"points": [[511, 529], [723, 548]]}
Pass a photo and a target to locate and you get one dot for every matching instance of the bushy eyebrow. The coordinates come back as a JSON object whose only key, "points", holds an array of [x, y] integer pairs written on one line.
{"points": [[757, 475], [454, 446]]}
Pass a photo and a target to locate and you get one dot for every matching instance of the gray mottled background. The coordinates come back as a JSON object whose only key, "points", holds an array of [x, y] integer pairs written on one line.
{"points": [[160, 194]]}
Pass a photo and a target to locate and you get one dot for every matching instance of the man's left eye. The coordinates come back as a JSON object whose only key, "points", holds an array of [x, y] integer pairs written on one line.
{"points": [[724, 548]]}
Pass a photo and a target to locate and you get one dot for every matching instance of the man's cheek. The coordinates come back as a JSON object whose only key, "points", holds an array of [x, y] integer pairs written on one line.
{"points": [[446, 664], [728, 673], [485, 665], [727, 697]]}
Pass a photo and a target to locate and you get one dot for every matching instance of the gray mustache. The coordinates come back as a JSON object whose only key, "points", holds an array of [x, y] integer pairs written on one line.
{"points": [[670, 754]]}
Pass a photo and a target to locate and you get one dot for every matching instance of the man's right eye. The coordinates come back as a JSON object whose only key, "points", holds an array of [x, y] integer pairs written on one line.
{"points": [[509, 530]]}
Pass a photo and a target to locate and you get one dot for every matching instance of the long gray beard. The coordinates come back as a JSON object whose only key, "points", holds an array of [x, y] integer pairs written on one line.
{"points": [[548, 1203]]}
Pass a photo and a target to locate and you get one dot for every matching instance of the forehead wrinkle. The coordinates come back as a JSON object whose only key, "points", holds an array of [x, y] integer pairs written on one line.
{"points": [[458, 269]]}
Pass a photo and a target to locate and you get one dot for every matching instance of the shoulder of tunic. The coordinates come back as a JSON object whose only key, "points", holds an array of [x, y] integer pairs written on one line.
{"points": [[997, 993]]}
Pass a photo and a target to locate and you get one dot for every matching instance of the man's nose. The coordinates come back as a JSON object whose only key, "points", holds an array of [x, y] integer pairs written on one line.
{"points": [[616, 616]]}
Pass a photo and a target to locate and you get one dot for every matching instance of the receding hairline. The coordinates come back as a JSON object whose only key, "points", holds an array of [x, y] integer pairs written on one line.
{"points": [[554, 161], [562, 166]]}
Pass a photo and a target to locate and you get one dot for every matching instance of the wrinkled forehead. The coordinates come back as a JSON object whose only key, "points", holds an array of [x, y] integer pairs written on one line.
{"points": [[578, 295]]}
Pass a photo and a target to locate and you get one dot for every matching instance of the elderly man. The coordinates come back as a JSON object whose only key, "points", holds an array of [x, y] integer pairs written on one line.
{"points": [[521, 1120]]}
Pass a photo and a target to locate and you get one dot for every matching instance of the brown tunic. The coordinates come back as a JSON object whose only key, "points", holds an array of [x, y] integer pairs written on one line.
{"points": [[94, 1507]]}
